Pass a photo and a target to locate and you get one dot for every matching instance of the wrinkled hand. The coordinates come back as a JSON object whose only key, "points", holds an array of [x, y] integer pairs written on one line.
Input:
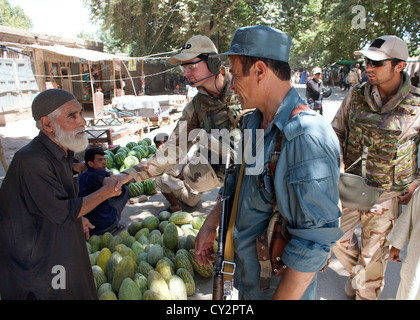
{"points": [[394, 254], [204, 241], [86, 226], [120, 179], [111, 186]]}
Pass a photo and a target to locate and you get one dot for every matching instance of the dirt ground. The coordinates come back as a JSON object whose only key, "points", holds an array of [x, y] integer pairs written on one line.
{"points": [[330, 282]]}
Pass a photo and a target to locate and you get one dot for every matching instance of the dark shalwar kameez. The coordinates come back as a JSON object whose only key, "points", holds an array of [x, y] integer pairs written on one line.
{"points": [[39, 228]]}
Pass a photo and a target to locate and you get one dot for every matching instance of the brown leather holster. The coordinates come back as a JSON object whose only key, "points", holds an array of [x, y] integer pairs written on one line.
{"points": [[270, 247]]}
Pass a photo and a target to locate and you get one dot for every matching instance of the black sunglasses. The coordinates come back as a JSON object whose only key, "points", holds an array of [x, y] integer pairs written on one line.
{"points": [[375, 64]]}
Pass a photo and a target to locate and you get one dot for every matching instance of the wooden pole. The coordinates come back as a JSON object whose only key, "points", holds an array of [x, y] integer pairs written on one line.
{"points": [[93, 90], [3, 158]]}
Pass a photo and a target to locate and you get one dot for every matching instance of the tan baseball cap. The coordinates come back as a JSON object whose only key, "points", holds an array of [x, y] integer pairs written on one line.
{"points": [[386, 47], [195, 46], [316, 70]]}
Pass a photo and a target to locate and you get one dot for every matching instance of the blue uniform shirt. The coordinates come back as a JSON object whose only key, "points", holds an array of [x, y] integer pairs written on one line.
{"points": [[307, 195]]}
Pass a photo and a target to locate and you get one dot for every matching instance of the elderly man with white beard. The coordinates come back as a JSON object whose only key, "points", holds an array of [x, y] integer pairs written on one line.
{"points": [[43, 252]]}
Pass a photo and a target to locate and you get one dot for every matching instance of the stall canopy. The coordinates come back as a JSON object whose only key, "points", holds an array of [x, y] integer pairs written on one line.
{"points": [[85, 54], [346, 62]]}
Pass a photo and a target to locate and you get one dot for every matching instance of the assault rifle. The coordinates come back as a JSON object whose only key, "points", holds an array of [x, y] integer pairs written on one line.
{"points": [[218, 285]]}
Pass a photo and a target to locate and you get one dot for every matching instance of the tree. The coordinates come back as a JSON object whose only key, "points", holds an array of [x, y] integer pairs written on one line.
{"points": [[151, 26], [323, 31], [14, 16]]}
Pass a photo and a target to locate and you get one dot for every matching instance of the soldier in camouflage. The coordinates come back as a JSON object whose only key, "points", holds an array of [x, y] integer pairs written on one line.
{"points": [[213, 107], [380, 118]]}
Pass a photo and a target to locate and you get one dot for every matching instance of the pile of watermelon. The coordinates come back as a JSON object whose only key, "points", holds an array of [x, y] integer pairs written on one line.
{"points": [[152, 260], [120, 158]]}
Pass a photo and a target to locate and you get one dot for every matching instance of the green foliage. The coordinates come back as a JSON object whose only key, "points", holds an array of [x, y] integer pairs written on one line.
{"points": [[322, 30], [14, 16]]}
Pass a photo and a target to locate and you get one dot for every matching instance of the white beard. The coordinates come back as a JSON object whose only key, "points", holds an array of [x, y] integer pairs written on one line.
{"points": [[71, 140]]}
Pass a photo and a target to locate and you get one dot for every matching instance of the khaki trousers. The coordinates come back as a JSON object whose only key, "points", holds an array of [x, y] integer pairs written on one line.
{"points": [[367, 263]]}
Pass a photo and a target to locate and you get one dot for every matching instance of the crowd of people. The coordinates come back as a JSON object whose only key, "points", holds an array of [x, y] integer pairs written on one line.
{"points": [[47, 212]]}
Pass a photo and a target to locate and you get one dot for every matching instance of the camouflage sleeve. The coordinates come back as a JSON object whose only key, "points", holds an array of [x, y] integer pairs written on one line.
{"points": [[173, 151], [340, 120]]}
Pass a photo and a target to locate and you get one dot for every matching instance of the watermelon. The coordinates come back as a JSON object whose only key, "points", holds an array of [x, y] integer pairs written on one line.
{"points": [[141, 281], [151, 223], [144, 267], [105, 287], [136, 189], [114, 171], [129, 290], [113, 149], [106, 239], [158, 285], [125, 269], [131, 144], [111, 265], [99, 275], [154, 255], [198, 221], [108, 295], [170, 236], [181, 217], [149, 295], [135, 153], [109, 161], [152, 150], [149, 187], [142, 143], [119, 158], [142, 150], [124, 150], [188, 279], [177, 288], [148, 141], [102, 258], [130, 161], [165, 269], [95, 242], [204, 271], [134, 227], [182, 261]]}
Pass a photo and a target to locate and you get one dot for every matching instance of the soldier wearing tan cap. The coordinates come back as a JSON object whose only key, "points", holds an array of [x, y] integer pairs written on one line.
{"points": [[378, 125], [214, 107]]}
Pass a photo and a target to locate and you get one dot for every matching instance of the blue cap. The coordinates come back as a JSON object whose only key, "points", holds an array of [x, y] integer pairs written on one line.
{"points": [[260, 41]]}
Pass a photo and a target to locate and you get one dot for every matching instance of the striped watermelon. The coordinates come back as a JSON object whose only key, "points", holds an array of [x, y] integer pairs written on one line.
{"points": [[149, 187], [136, 189], [119, 158], [131, 144], [148, 141], [143, 150], [114, 170], [130, 161], [135, 153], [124, 149], [152, 150], [109, 161], [142, 143]]}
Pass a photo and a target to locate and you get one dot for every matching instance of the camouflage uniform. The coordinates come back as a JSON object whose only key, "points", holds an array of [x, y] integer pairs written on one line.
{"points": [[204, 112], [391, 132]]}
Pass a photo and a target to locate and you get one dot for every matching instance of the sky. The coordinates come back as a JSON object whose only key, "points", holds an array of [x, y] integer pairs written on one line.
{"points": [[57, 17]]}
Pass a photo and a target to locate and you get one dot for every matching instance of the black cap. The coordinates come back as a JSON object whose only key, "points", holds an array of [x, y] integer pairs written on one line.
{"points": [[48, 101]]}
